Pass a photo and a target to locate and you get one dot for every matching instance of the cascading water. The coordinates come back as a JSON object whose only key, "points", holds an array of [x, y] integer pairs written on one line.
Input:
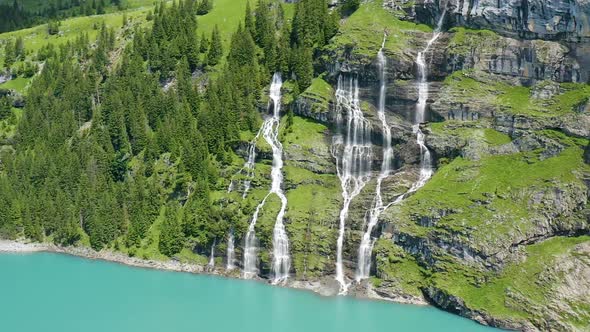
{"points": [[426, 170], [248, 167], [211, 264], [231, 252], [251, 245], [366, 246], [281, 259], [353, 155]]}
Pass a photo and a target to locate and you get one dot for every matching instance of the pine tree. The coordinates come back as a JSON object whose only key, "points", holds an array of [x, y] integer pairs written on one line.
{"points": [[215, 48], [194, 100], [100, 8], [183, 79], [284, 50], [19, 49], [204, 43], [309, 23], [204, 7], [349, 7], [192, 51], [242, 51], [303, 66], [9, 54], [53, 27], [290, 119], [332, 25], [5, 108], [171, 236], [249, 20], [263, 24]]}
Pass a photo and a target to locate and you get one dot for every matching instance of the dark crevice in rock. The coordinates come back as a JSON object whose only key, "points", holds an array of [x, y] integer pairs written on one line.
{"points": [[543, 237]]}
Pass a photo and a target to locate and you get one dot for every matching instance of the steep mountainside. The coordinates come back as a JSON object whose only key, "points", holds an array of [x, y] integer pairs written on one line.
{"points": [[490, 234], [421, 151]]}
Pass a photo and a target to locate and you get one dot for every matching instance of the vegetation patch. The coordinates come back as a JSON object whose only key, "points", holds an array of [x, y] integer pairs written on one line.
{"points": [[321, 89], [471, 130], [36, 37], [464, 40], [398, 268], [8, 125], [312, 211], [503, 295], [314, 199], [18, 84], [487, 200], [363, 31], [305, 133], [467, 86]]}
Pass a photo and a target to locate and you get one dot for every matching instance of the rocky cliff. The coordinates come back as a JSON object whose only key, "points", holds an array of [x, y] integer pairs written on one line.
{"points": [[562, 20], [499, 234]]}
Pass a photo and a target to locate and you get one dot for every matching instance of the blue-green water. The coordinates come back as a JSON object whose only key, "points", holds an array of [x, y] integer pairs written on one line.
{"points": [[51, 292]]}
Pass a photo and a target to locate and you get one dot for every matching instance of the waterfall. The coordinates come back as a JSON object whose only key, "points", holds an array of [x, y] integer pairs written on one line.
{"points": [[281, 260], [248, 167], [366, 246], [211, 264], [353, 162], [251, 245], [230, 252], [426, 170]]}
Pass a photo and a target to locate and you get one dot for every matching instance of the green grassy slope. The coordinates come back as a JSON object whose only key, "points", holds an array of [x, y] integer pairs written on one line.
{"points": [[363, 31]]}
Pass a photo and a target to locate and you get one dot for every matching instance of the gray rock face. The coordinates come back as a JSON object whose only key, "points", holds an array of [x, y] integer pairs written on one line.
{"points": [[456, 305], [314, 109], [518, 125], [525, 48], [530, 19], [527, 59], [5, 77]]}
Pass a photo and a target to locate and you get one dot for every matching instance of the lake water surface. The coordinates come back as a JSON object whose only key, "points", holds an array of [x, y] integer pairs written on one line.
{"points": [[52, 292]]}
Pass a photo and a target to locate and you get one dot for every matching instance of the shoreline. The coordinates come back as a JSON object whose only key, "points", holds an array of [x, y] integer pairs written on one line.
{"points": [[323, 287], [327, 286]]}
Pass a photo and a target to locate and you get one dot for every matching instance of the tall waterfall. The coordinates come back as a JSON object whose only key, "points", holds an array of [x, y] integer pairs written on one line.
{"points": [[248, 167], [281, 259], [353, 155], [366, 246], [231, 252], [426, 170]]}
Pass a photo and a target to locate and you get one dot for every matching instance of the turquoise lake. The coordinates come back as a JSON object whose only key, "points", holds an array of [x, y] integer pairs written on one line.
{"points": [[51, 292]]}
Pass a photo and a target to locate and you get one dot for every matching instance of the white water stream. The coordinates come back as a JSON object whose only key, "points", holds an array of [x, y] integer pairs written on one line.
{"points": [[366, 246], [231, 252], [281, 259], [426, 169], [248, 167], [211, 264], [353, 155]]}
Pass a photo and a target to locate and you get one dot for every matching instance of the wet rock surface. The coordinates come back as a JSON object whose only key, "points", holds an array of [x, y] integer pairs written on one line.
{"points": [[537, 51], [528, 19]]}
